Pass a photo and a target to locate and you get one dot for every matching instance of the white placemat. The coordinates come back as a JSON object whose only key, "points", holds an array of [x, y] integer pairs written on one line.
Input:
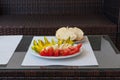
{"points": [[87, 58], [8, 44]]}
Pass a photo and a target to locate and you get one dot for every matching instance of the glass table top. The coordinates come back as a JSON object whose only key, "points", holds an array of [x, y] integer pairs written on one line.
{"points": [[107, 55]]}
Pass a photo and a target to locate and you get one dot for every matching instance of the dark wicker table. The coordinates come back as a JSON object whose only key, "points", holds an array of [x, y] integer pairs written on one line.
{"points": [[107, 57]]}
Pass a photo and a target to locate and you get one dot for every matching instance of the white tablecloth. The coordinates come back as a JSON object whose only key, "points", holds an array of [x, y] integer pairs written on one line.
{"points": [[87, 58], [8, 45]]}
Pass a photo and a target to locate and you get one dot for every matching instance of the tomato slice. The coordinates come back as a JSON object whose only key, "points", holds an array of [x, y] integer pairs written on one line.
{"points": [[43, 52], [79, 45], [68, 51], [65, 52], [50, 51], [74, 50], [61, 52], [56, 52]]}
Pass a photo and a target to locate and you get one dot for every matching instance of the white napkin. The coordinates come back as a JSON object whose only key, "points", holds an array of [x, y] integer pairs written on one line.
{"points": [[8, 44], [87, 58]]}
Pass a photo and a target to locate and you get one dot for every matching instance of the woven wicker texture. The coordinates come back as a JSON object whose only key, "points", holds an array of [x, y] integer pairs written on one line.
{"points": [[81, 7], [60, 73]]}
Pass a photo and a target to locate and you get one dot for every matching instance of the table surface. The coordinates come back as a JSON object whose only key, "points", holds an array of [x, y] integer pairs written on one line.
{"points": [[105, 51]]}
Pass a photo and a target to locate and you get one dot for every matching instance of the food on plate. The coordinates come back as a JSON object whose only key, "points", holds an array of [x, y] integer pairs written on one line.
{"points": [[39, 45], [73, 32], [65, 51], [55, 48]]}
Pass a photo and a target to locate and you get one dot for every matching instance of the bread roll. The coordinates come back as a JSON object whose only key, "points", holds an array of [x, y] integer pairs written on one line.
{"points": [[78, 32], [74, 33], [64, 33]]}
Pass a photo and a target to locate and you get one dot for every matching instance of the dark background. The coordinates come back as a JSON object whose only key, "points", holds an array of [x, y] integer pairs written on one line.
{"points": [[61, 7], [81, 7], [109, 8]]}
